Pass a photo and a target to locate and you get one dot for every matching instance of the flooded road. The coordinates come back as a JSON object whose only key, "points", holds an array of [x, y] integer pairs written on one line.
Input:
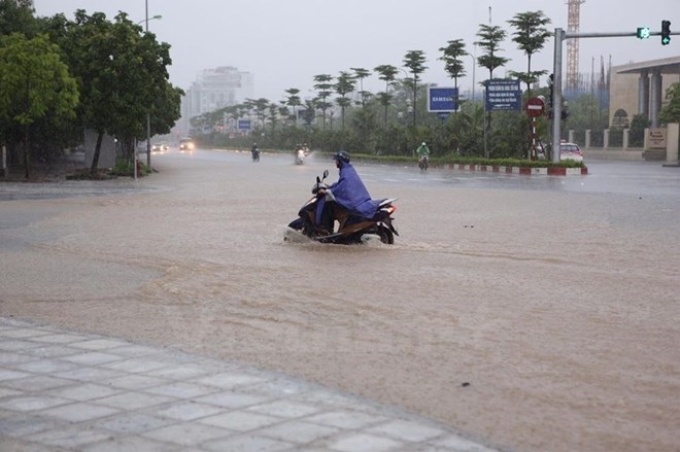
{"points": [[532, 313]]}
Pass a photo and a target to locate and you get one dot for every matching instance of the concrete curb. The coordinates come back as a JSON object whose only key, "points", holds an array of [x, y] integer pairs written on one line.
{"points": [[527, 171]]}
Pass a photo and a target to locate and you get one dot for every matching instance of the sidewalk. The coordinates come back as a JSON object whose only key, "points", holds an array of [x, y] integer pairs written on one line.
{"points": [[66, 391]]}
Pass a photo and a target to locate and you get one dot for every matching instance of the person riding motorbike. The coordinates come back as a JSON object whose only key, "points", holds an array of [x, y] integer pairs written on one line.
{"points": [[299, 154], [349, 192], [423, 153], [255, 151]]}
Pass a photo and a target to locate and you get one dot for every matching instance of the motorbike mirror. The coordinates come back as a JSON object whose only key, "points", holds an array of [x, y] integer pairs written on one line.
{"points": [[318, 181], [325, 174]]}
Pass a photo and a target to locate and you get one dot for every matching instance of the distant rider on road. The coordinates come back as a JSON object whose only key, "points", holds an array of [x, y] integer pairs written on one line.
{"points": [[423, 151]]}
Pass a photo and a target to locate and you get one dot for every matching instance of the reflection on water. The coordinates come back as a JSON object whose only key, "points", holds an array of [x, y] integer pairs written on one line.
{"points": [[559, 308]]}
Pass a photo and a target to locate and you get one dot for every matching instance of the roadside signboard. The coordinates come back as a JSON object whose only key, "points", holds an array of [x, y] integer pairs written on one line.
{"points": [[535, 107], [244, 124], [441, 100], [656, 138], [503, 94]]}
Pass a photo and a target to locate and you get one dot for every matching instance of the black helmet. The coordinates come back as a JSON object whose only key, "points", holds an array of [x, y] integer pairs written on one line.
{"points": [[342, 157]]}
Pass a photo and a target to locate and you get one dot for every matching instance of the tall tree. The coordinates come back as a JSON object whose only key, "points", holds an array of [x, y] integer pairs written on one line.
{"points": [[530, 35], [360, 74], [388, 73], [415, 62], [260, 106], [309, 112], [453, 65], [324, 87], [16, 16], [293, 100], [490, 37], [345, 85], [272, 109], [34, 83], [115, 99]]}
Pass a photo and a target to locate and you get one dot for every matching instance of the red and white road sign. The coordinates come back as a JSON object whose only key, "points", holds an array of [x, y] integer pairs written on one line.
{"points": [[535, 107]]}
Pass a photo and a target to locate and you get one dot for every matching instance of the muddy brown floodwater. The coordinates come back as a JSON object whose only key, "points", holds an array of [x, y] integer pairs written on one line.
{"points": [[561, 310]]}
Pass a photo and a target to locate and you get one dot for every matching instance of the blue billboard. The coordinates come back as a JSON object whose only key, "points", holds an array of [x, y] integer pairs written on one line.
{"points": [[441, 100], [503, 94], [244, 124]]}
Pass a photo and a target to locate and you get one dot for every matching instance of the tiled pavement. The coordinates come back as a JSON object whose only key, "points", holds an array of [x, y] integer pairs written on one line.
{"points": [[66, 391]]}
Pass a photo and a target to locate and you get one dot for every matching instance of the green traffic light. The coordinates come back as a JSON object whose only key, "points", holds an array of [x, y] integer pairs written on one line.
{"points": [[665, 32], [643, 32]]}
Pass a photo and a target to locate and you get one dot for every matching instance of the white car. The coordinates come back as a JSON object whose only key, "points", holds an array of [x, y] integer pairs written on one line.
{"points": [[570, 151], [160, 148], [186, 144]]}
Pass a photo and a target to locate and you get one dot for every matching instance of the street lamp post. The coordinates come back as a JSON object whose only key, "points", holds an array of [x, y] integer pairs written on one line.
{"points": [[474, 65], [409, 103], [148, 115], [414, 87]]}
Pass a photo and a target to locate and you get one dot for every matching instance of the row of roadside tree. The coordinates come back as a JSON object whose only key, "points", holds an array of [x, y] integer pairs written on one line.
{"points": [[59, 77]]}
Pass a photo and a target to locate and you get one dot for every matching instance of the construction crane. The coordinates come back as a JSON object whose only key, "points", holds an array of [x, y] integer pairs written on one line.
{"points": [[573, 26]]}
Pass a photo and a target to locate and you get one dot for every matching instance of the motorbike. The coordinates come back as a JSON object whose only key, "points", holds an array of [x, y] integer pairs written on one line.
{"points": [[256, 154], [423, 162], [352, 228], [300, 157]]}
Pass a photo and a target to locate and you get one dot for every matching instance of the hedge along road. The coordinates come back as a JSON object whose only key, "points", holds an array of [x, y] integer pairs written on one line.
{"points": [[556, 303]]}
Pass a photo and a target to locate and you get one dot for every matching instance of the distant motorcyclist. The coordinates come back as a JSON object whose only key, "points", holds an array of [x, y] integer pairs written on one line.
{"points": [[349, 192], [255, 151], [423, 153], [299, 154]]}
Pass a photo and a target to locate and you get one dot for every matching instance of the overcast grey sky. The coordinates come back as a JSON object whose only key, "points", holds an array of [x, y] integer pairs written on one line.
{"points": [[285, 43]]}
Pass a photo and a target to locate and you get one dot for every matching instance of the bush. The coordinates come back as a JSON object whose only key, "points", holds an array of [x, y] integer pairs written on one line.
{"points": [[453, 159]]}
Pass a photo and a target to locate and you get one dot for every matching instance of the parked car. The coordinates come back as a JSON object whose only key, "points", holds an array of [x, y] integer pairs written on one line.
{"points": [[186, 144], [570, 151]]}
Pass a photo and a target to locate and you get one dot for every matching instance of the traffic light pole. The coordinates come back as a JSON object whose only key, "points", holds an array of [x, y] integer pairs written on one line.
{"points": [[560, 36]]}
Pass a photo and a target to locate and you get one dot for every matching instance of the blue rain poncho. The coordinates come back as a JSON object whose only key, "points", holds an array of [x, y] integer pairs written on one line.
{"points": [[351, 193]]}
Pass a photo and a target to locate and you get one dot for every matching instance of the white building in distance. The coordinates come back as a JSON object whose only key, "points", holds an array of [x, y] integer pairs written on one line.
{"points": [[214, 89]]}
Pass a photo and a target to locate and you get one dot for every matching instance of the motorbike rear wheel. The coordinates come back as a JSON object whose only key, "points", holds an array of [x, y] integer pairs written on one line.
{"points": [[386, 236]]}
